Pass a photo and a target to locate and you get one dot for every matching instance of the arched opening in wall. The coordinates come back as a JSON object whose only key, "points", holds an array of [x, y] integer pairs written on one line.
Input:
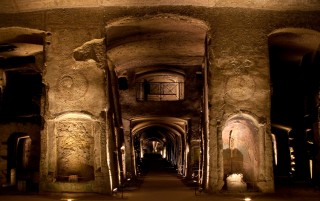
{"points": [[294, 69], [158, 65], [241, 146], [19, 166], [21, 93], [284, 158], [21, 59], [159, 143], [154, 148]]}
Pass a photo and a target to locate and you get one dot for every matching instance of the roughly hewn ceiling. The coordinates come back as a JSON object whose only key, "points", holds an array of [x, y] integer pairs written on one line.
{"points": [[12, 6], [164, 40]]}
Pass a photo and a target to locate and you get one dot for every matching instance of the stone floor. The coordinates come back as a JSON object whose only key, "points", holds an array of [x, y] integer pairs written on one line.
{"points": [[166, 186]]}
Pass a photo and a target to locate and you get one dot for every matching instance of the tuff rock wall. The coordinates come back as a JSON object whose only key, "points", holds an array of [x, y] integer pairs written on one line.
{"points": [[238, 79]]}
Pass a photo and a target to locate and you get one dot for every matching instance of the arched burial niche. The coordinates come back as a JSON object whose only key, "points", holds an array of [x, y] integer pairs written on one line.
{"points": [[74, 140], [74, 160], [243, 153]]}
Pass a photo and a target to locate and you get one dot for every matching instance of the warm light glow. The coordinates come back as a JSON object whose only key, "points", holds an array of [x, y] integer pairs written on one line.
{"points": [[247, 199], [275, 151], [141, 148], [235, 182], [186, 159], [123, 158], [164, 154], [109, 163], [74, 115], [310, 166], [68, 199]]}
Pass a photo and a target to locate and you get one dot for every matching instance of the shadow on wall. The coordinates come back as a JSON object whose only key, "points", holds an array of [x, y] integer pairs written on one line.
{"points": [[232, 161]]}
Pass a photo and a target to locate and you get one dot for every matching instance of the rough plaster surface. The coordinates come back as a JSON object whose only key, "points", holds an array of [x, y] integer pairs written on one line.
{"points": [[78, 88], [75, 150], [21, 35], [31, 5], [74, 144]]}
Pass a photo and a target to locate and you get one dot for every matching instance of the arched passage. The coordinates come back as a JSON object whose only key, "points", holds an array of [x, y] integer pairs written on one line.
{"points": [[170, 133], [157, 61], [21, 93], [19, 157], [294, 70]]}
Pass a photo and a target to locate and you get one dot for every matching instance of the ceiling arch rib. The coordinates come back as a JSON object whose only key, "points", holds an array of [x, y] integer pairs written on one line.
{"points": [[175, 129], [158, 136], [172, 128], [177, 124]]}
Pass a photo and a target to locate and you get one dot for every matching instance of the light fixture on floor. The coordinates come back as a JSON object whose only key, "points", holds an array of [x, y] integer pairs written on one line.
{"points": [[68, 199], [247, 199]]}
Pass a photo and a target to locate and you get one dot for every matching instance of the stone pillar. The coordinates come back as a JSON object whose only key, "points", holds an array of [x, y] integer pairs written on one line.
{"points": [[76, 108], [215, 178], [238, 81], [265, 180]]}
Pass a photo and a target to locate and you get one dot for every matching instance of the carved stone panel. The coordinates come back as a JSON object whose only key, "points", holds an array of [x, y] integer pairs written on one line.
{"points": [[72, 86], [74, 150]]}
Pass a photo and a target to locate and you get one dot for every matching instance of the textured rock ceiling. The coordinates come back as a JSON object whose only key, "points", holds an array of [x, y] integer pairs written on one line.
{"points": [[31, 5], [157, 41]]}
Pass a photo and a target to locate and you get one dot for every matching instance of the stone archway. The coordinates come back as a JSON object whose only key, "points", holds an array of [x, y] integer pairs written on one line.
{"points": [[19, 156], [294, 71], [173, 130], [244, 156], [169, 47]]}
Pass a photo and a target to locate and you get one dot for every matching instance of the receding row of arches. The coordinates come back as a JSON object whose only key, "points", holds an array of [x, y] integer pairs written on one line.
{"points": [[152, 114]]}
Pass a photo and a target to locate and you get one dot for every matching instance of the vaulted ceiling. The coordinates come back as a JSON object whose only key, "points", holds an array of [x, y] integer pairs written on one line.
{"points": [[174, 41], [13, 6], [294, 69]]}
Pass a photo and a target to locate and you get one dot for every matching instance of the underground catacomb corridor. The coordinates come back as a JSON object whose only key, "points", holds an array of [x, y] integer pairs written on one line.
{"points": [[176, 100]]}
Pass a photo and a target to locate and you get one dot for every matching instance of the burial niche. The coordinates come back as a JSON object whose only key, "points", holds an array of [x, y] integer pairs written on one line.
{"points": [[75, 150], [240, 153]]}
